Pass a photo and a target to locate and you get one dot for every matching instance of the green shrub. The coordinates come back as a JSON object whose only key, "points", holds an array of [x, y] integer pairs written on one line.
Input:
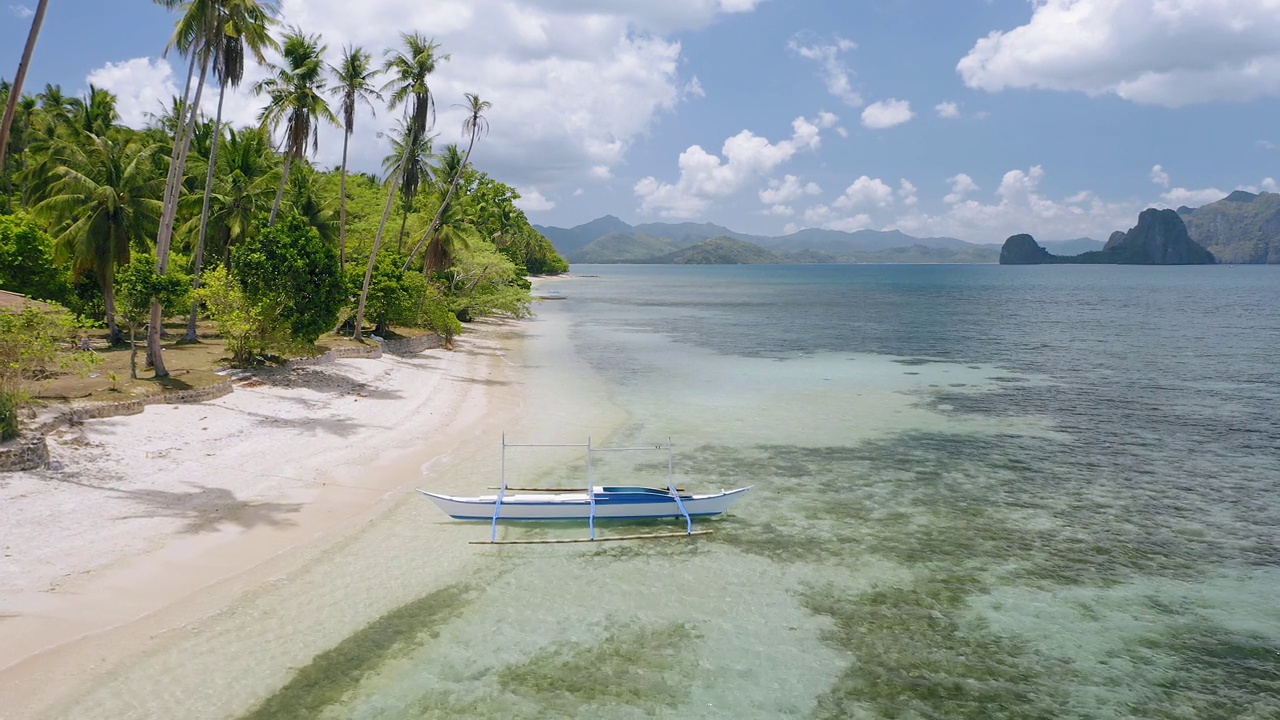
{"points": [[34, 344], [26, 261], [395, 297], [291, 266], [8, 416], [136, 284], [250, 328]]}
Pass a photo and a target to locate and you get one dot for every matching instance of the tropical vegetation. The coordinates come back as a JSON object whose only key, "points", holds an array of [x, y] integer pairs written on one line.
{"points": [[238, 229]]}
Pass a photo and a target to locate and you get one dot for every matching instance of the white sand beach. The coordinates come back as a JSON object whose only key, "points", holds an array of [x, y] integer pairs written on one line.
{"points": [[150, 522]]}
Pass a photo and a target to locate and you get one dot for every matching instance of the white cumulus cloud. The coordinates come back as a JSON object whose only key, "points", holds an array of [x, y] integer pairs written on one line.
{"points": [[787, 189], [573, 83], [704, 176], [947, 110], [531, 200], [141, 86], [1020, 206], [1163, 52], [21, 11], [1179, 196], [961, 185], [865, 192], [907, 192], [886, 114], [830, 218], [835, 74], [1175, 197]]}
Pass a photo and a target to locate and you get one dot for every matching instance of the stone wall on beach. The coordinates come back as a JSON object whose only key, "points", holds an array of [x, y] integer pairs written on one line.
{"points": [[27, 452], [396, 346], [412, 346]]}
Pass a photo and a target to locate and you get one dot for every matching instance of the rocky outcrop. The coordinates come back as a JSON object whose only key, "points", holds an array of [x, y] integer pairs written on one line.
{"points": [[1024, 250], [1159, 238], [1240, 228]]}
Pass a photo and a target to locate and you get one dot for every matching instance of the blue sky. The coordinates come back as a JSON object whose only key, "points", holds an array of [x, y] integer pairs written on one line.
{"points": [[969, 118]]}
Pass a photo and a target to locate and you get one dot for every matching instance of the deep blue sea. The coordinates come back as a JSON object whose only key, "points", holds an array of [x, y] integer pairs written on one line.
{"points": [[980, 492]]}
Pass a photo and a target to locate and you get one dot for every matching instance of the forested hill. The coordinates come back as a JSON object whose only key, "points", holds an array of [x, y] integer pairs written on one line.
{"points": [[719, 251], [1240, 228]]}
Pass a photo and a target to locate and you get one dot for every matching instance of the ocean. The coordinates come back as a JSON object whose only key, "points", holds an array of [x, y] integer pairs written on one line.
{"points": [[980, 492]]}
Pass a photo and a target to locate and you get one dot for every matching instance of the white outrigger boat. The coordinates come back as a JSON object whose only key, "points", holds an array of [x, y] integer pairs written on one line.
{"points": [[594, 502]]}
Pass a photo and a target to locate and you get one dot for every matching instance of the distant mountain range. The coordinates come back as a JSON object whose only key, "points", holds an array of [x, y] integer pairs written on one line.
{"points": [[610, 240], [1241, 228]]}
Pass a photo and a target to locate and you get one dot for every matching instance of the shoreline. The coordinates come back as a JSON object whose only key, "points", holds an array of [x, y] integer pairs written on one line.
{"points": [[84, 588]]}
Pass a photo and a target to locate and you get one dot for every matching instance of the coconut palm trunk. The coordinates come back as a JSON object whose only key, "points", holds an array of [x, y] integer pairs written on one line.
{"points": [[404, 221], [169, 214], [342, 206], [179, 127], [353, 85], [284, 180], [377, 244], [106, 277], [435, 220], [475, 124], [204, 214], [410, 69], [15, 92]]}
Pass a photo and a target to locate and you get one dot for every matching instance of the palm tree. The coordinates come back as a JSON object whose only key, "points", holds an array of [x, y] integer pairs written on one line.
{"points": [[55, 109], [195, 34], [353, 83], [242, 25], [408, 87], [15, 91], [474, 125], [102, 199], [296, 100], [95, 114], [20, 138], [444, 234], [306, 202], [409, 164], [243, 189], [168, 119]]}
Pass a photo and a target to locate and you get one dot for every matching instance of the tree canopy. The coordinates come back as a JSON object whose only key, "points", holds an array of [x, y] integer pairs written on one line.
{"points": [[120, 223]]}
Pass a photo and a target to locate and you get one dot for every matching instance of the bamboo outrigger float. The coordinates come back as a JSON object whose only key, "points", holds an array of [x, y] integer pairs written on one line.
{"points": [[614, 502]]}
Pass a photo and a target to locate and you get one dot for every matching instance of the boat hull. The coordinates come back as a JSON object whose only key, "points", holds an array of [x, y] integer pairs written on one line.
{"points": [[577, 506]]}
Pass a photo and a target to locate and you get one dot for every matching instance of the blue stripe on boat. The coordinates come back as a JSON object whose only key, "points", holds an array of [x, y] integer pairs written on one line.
{"points": [[564, 519], [508, 502]]}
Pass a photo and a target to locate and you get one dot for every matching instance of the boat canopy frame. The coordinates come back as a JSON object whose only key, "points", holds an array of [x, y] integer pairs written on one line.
{"points": [[591, 494]]}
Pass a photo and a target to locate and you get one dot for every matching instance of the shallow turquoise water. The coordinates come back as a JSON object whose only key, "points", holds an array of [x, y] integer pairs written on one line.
{"points": [[981, 492]]}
